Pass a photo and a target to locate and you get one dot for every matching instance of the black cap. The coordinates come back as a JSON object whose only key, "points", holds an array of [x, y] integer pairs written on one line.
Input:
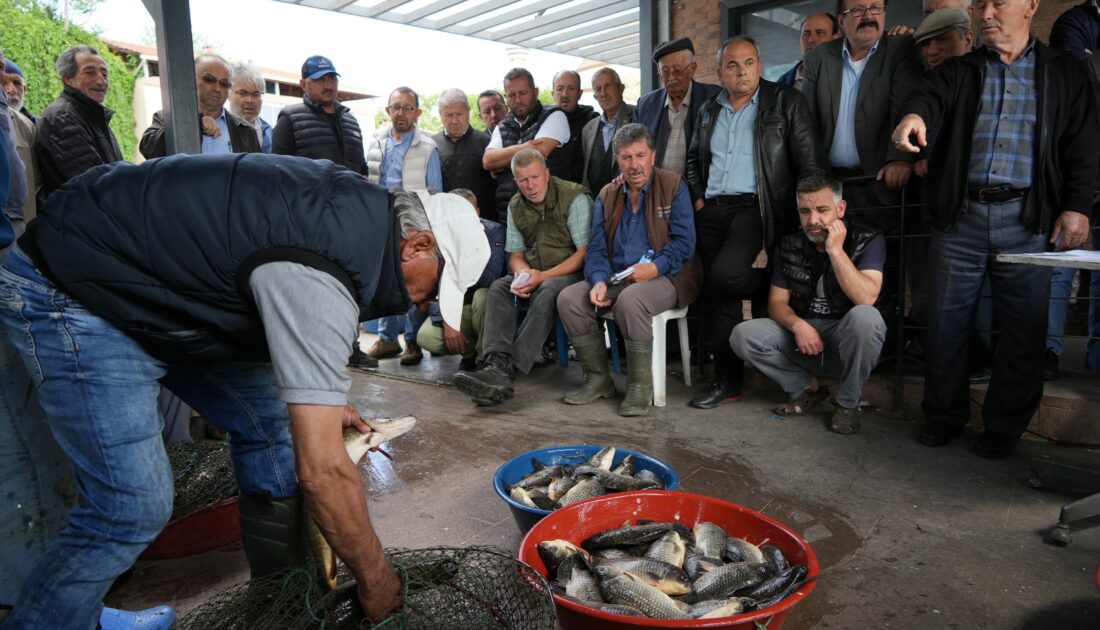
{"points": [[684, 43]]}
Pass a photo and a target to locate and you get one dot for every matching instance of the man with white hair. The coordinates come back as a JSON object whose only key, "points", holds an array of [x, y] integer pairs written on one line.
{"points": [[460, 149], [246, 100], [931, 6]]}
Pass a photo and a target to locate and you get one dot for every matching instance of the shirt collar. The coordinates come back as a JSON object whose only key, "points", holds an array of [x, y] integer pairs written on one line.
{"points": [[848, 54], [994, 54], [408, 135], [687, 97], [604, 120], [645, 188], [724, 98]]}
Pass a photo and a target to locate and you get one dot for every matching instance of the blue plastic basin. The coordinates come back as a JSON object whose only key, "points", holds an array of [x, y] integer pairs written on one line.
{"points": [[518, 467]]}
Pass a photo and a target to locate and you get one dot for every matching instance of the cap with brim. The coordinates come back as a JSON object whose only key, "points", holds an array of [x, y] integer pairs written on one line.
{"points": [[465, 249], [12, 68], [684, 43], [318, 66], [939, 22]]}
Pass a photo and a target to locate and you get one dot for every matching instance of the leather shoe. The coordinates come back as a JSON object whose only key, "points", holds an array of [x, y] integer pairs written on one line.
{"points": [[937, 433], [412, 354], [384, 349], [720, 391], [361, 359], [994, 445]]}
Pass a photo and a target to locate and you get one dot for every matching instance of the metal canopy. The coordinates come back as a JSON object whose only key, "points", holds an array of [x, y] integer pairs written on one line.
{"points": [[599, 30]]}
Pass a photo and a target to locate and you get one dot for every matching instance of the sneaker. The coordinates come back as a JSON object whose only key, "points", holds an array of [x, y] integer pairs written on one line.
{"points": [[412, 354], [384, 349], [1050, 366], [360, 359]]}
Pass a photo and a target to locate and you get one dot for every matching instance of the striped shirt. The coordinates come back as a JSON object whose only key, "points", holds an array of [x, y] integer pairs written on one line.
{"points": [[1003, 145], [676, 150]]}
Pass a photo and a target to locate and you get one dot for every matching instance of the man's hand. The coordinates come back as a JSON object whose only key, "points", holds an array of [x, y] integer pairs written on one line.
{"points": [[900, 30], [808, 340], [699, 203], [896, 174], [920, 169], [382, 596], [210, 127], [455, 339], [1070, 231], [909, 127], [527, 288], [598, 295], [353, 419], [834, 243], [644, 272]]}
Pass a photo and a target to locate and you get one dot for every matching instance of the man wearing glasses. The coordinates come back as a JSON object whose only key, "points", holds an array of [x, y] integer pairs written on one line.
{"points": [[222, 131], [246, 99], [669, 112]]}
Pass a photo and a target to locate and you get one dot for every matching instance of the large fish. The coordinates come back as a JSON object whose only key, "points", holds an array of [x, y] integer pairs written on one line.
{"points": [[543, 476], [620, 587], [558, 487], [669, 579], [554, 552], [625, 467], [710, 541], [630, 535], [727, 579], [741, 550], [776, 585], [717, 608], [577, 581], [602, 458], [668, 548], [584, 490], [382, 430], [613, 481]]}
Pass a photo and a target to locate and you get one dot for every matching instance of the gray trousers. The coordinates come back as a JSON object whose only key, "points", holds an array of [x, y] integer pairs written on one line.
{"points": [[633, 305], [852, 347], [523, 340]]}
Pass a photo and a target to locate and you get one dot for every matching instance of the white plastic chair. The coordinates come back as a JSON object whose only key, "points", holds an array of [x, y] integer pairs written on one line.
{"points": [[659, 341]]}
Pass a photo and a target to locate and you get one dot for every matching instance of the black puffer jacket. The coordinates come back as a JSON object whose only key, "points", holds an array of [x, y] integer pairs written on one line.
{"points": [[787, 149], [306, 130], [73, 136]]}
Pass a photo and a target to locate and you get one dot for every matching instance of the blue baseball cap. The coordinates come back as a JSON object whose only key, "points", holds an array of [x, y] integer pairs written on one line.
{"points": [[317, 66], [12, 68]]}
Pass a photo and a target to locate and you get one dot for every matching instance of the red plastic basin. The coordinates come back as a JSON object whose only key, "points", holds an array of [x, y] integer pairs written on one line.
{"points": [[581, 520], [202, 530]]}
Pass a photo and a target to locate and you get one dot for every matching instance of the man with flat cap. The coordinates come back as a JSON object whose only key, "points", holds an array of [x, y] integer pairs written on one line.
{"points": [[670, 112], [943, 34]]}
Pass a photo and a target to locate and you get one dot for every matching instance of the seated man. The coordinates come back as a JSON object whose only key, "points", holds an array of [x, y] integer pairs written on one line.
{"points": [[548, 224], [650, 212], [821, 314], [435, 334]]}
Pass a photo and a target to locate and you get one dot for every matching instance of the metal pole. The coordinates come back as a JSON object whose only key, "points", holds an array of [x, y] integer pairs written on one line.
{"points": [[648, 38], [178, 95], [899, 374]]}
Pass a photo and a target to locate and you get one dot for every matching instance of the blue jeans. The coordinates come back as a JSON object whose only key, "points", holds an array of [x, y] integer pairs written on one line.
{"points": [[390, 327], [99, 390], [1061, 284]]}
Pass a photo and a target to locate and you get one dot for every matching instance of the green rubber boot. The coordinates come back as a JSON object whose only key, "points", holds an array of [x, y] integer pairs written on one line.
{"points": [[592, 355], [639, 379], [273, 533]]}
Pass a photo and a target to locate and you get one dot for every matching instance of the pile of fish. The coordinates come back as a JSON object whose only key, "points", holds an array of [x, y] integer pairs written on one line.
{"points": [[550, 487], [667, 571]]}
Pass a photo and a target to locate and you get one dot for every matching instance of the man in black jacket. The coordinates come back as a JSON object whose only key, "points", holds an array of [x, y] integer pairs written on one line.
{"points": [[73, 132], [221, 130], [461, 148], [567, 94], [1013, 170], [749, 148]]}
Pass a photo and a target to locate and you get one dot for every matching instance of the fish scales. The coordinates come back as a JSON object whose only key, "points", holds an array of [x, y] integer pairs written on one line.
{"points": [[669, 579], [726, 580], [619, 587]]}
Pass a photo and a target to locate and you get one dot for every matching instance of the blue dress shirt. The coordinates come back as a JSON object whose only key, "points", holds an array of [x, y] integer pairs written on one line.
{"points": [[733, 149], [221, 144], [393, 161], [844, 152]]}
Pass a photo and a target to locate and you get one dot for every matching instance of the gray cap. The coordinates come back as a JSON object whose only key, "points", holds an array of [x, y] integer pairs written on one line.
{"points": [[940, 22]]}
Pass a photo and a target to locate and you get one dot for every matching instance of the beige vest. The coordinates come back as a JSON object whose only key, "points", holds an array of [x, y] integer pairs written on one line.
{"points": [[24, 133], [414, 172]]}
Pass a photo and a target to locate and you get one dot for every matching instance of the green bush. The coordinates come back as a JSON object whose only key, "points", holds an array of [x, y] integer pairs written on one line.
{"points": [[33, 38]]}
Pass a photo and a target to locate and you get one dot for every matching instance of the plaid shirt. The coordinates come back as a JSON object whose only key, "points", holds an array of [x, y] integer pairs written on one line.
{"points": [[1003, 147], [676, 151]]}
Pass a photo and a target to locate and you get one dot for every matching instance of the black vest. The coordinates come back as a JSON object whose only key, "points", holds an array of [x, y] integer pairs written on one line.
{"points": [[323, 136], [460, 162], [802, 265], [601, 168], [511, 134], [567, 161], [164, 250]]}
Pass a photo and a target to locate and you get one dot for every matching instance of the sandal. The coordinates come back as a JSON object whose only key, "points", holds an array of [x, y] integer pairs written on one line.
{"points": [[845, 421], [803, 403]]}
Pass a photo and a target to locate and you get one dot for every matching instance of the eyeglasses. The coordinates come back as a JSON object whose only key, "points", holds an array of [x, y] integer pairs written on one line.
{"points": [[210, 79], [674, 70], [247, 94], [858, 12], [402, 108]]}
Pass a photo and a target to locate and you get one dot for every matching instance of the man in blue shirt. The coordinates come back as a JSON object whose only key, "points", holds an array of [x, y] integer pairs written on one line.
{"points": [[649, 218]]}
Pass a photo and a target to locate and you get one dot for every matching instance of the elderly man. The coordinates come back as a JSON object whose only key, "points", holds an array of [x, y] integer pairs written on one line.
{"points": [[821, 315], [439, 337], [23, 134], [817, 29], [548, 226], [996, 185], [221, 130], [567, 94], [669, 112], [74, 131], [750, 146], [246, 100], [402, 156], [648, 218], [528, 125], [491, 109], [14, 181], [600, 166], [460, 149], [262, 355], [943, 34], [931, 6]]}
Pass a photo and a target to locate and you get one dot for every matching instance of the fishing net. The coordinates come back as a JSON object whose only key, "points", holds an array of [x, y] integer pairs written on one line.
{"points": [[202, 474], [444, 588]]}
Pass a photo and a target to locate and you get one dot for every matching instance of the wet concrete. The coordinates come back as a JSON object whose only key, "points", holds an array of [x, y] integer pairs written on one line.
{"points": [[907, 536]]}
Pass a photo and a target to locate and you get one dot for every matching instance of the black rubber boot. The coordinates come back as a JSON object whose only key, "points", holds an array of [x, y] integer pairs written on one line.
{"points": [[273, 532]]}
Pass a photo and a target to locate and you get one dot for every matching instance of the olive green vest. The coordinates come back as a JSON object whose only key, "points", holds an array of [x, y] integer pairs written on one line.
{"points": [[546, 232]]}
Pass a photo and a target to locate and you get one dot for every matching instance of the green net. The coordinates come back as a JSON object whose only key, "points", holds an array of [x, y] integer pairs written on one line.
{"points": [[444, 588], [202, 474]]}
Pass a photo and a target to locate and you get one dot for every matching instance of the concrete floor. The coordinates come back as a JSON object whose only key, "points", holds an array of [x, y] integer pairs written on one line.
{"points": [[907, 536]]}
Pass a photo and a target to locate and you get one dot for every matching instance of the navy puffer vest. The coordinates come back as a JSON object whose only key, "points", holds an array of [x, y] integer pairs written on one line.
{"points": [[316, 137]]}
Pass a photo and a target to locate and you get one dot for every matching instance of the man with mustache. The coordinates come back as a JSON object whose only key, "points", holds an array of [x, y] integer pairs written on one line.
{"points": [[567, 94], [1013, 170], [750, 146], [649, 211], [670, 111], [73, 132], [821, 315], [221, 131], [816, 30], [323, 128]]}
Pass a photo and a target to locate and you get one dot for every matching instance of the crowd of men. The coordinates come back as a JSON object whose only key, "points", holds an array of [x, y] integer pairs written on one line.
{"points": [[783, 195]]}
